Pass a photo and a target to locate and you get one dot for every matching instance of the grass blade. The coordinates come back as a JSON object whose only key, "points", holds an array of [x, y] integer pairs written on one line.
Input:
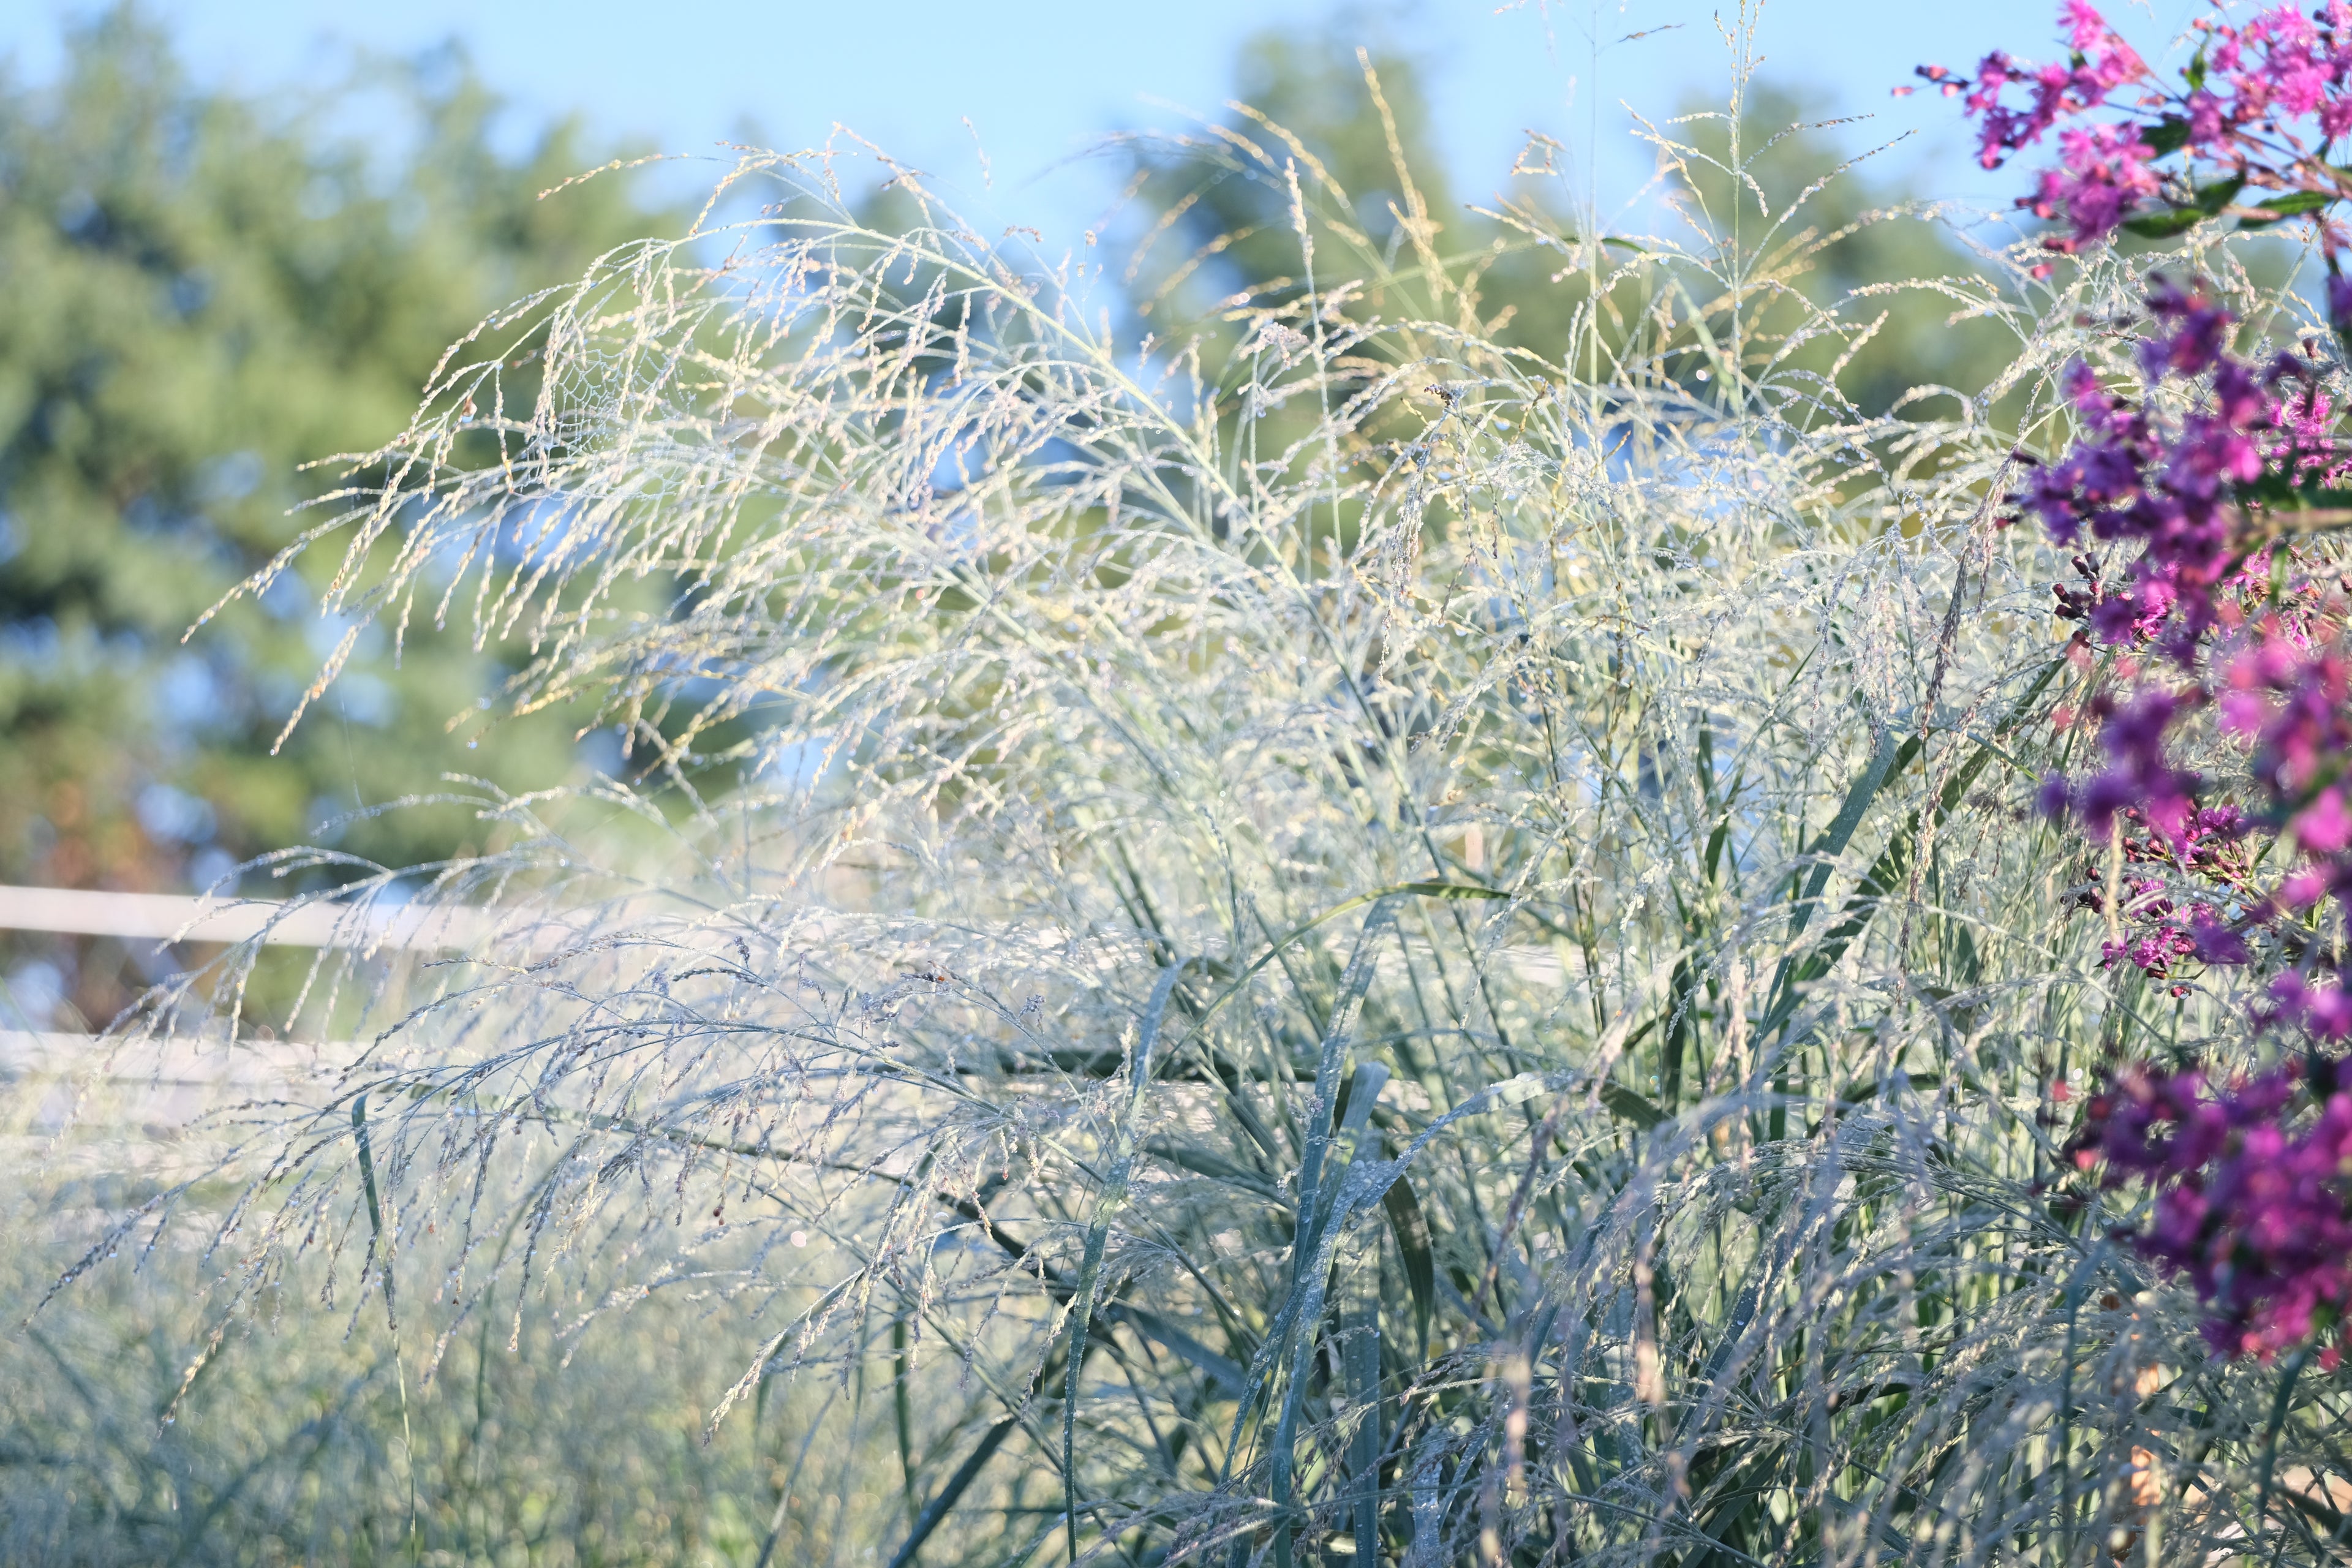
{"points": [[1113, 1199], [1410, 1225], [941, 1504]]}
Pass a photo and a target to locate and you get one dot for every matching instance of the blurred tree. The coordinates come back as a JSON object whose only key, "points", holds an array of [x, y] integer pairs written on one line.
{"points": [[199, 294], [1218, 220], [1873, 255]]}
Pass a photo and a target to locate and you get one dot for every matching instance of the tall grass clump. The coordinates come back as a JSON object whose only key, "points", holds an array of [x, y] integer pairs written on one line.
{"points": [[1317, 938]]}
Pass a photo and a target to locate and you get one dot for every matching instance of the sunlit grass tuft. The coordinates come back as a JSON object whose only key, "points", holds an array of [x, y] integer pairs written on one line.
{"points": [[1318, 939]]}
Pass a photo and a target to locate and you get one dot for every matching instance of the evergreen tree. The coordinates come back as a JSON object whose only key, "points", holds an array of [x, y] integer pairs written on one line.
{"points": [[200, 294]]}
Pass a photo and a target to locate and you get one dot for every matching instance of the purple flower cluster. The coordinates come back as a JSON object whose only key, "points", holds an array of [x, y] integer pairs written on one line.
{"points": [[2208, 847], [2254, 1194], [2104, 175], [2287, 692], [2216, 620], [2252, 1211], [2168, 485], [2101, 63], [2255, 108], [2173, 486], [2221, 606], [2140, 778], [2281, 66]]}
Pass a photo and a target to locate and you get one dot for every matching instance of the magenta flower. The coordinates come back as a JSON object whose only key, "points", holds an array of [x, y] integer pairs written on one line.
{"points": [[2257, 107], [2250, 1180], [2323, 827], [2323, 1009], [2253, 1184], [2339, 301], [2104, 175]]}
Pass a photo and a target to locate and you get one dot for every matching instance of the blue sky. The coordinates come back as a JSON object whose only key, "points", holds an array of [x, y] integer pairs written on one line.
{"points": [[1038, 77]]}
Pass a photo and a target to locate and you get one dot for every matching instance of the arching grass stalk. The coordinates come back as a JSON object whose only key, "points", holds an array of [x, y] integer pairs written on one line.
{"points": [[1333, 937]]}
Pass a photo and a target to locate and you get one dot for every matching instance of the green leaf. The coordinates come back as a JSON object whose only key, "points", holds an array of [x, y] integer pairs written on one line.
{"points": [[2294, 204], [1725, 1526], [1329, 1089], [1360, 1358], [1886, 761], [2170, 134], [1430, 889], [1357, 1097], [937, 1508], [2280, 491], [2279, 1405], [2212, 198], [1225, 1373], [1626, 1105], [1307, 1249], [1888, 868], [1411, 1227], [902, 1408], [2163, 224], [375, 1207], [1113, 1199], [1451, 890], [1203, 1164], [1681, 999]]}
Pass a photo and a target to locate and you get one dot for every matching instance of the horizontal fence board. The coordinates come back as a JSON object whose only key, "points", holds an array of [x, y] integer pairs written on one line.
{"points": [[176, 917]]}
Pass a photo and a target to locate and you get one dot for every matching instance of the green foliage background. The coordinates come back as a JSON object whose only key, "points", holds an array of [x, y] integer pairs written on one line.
{"points": [[200, 293]]}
